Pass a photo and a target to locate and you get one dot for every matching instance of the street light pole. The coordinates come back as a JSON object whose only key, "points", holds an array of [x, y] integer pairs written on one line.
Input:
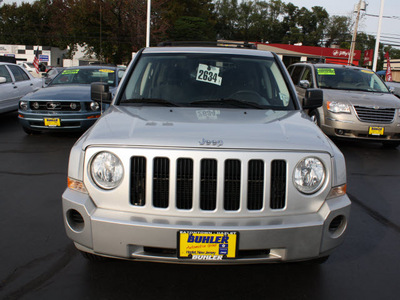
{"points": [[148, 23], [378, 37]]}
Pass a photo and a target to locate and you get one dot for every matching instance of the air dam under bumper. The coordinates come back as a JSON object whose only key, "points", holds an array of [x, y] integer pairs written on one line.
{"points": [[140, 236]]}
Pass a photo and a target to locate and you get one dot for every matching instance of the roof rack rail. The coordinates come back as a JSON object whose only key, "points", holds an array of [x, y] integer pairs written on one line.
{"points": [[207, 44]]}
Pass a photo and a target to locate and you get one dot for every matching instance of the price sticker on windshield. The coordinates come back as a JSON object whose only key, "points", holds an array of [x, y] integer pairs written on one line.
{"points": [[325, 71], [209, 74]]}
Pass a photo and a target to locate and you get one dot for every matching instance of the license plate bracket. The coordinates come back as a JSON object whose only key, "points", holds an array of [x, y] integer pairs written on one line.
{"points": [[376, 130], [52, 122], [207, 245]]}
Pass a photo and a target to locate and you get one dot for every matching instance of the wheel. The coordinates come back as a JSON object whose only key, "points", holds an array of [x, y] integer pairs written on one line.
{"points": [[390, 144], [30, 131], [93, 257], [314, 115]]}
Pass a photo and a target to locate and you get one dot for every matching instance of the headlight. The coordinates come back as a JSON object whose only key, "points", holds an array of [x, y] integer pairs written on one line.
{"points": [[94, 106], [23, 105], [106, 170], [338, 107], [309, 175]]}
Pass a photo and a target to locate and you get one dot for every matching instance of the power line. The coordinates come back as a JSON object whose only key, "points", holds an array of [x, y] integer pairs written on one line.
{"points": [[387, 17]]}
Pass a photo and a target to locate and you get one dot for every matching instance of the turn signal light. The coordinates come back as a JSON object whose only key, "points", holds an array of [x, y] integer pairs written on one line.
{"points": [[337, 191], [76, 185]]}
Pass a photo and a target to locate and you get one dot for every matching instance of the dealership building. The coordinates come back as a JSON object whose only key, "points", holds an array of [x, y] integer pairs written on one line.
{"points": [[294, 53]]}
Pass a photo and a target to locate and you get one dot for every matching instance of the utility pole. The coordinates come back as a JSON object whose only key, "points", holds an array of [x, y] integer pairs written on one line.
{"points": [[360, 6], [148, 23], [378, 37]]}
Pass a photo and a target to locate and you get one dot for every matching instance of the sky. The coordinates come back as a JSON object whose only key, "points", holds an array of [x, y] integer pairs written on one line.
{"points": [[369, 24]]}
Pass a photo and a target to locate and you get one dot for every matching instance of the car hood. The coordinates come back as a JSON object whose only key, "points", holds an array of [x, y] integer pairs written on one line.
{"points": [[383, 100], [206, 128], [63, 93]]}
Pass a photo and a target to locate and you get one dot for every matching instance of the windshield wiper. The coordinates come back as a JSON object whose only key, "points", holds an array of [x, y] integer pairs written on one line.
{"points": [[149, 101], [227, 101]]}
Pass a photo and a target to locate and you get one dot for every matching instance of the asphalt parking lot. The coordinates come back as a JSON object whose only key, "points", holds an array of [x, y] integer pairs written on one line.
{"points": [[38, 261]]}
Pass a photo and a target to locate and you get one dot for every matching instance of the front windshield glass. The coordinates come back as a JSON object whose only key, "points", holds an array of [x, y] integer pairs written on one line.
{"points": [[204, 79], [343, 78], [85, 76]]}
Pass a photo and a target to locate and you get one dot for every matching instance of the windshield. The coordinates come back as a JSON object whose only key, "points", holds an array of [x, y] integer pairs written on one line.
{"points": [[205, 79], [85, 76], [342, 78]]}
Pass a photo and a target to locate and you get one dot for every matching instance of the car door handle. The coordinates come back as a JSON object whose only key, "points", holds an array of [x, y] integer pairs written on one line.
{"points": [[15, 86]]}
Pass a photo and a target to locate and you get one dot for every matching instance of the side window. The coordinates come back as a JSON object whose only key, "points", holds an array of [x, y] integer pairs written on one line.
{"points": [[307, 75], [18, 73], [4, 73], [296, 74]]}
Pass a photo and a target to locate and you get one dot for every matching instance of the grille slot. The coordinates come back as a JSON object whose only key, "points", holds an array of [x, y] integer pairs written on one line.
{"points": [[380, 115], [232, 185], [278, 184], [255, 185], [138, 181], [208, 184], [161, 182], [184, 183]]}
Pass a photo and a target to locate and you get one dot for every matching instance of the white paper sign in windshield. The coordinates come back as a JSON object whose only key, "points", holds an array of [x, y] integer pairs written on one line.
{"points": [[209, 74]]}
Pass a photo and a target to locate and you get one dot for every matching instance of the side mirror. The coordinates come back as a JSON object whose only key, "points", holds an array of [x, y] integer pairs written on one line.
{"points": [[391, 89], [3, 80], [100, 92], [305, 84], [313, 99]]}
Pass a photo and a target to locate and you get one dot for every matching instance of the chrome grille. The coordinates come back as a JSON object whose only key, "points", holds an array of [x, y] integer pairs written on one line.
{"points": [[379, 115], [244, 186], [54, 105]]}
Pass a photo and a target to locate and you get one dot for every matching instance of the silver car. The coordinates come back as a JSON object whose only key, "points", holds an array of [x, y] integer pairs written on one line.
{"points": [[357, 103], [15, 83], [206, 156]]}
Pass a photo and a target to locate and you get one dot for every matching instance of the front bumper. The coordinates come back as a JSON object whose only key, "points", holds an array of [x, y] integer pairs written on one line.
{"points": [[68, 122], [348, 126], [145, 237]]}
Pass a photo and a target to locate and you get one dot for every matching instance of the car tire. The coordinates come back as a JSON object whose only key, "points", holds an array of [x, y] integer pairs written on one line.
{"points": [[93, 257], [390, 145], [314, 115]]}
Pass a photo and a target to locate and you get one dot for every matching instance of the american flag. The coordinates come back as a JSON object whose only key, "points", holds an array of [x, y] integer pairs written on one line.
{"points": [[36, 60]]}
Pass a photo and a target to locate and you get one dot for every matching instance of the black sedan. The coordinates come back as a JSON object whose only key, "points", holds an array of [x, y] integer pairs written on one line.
{"points": [[65, 104]]}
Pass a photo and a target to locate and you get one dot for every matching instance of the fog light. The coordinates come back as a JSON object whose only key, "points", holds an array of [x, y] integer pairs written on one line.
{"points": [[73, 105], [75, 220], [94, 106], [23, 105], [35, 105], [337, 226]]}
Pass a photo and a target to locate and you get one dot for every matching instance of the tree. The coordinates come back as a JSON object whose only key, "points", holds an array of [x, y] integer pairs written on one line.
{"points": [[338, 32], [190, 20]]}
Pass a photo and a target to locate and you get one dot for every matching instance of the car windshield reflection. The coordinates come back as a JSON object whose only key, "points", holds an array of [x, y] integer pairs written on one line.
{"points": [[349, 79]]}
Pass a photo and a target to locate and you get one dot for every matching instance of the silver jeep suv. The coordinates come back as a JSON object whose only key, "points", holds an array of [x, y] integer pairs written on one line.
{"points": [[206, 156]]}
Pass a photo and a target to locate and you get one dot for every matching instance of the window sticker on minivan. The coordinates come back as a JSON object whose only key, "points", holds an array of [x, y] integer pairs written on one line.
{"points": [[209, 74], [325, 71]]}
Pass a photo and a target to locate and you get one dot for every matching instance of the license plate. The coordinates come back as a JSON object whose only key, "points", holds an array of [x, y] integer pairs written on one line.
{"points": [[374, 130], [52, 122], [208, 246]]}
